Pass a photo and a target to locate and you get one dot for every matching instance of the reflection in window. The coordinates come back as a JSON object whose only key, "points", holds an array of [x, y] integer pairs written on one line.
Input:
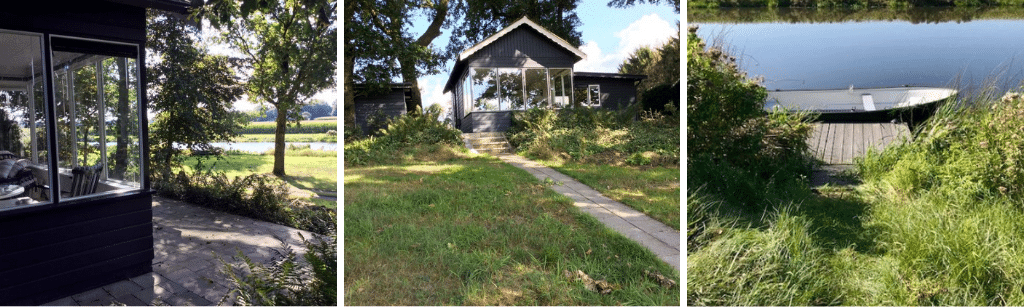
{"points": [[97, 110], [467, 98], [485, 90], [536, 88], [561, 85], [23, 137], [511, 90]]}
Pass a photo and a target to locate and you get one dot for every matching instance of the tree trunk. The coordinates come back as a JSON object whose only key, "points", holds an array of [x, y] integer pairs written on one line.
{"points": [[409, 64], [121, 153], [350, 101], [282, 127]]}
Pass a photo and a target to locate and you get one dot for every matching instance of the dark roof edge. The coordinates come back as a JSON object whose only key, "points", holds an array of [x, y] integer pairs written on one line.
{"points": [[392, 85], [608, 75], [174, 6]]}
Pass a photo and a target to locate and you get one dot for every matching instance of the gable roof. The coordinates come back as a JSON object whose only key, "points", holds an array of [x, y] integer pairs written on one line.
{"points": [[521, 22], [460, 63]]}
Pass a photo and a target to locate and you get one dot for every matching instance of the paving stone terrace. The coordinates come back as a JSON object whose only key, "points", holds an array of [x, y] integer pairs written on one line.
{"points": [[189, 242]]}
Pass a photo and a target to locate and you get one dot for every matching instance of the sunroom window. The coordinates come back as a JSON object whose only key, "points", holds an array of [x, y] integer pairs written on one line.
{"points": [[23, 135], [97, 108], [506, 89]]}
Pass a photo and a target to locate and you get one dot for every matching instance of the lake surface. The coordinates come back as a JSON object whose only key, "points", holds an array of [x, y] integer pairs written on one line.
{"points": [[265, 146], [816, 49]]}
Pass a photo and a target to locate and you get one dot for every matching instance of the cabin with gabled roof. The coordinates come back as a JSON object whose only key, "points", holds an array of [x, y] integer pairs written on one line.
{"points": [[526, 66]]}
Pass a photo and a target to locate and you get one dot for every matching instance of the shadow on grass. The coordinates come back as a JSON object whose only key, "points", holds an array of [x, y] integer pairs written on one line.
{"points": [[836, 221]]}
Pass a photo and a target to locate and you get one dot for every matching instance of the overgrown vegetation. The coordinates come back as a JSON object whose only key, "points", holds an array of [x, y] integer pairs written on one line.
{"points": [[410, 137], [286, 282], [258, 196], [736, 150], [935, 222]]}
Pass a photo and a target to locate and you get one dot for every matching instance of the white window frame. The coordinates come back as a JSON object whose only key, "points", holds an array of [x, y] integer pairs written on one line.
{"points": [[590, 99]]}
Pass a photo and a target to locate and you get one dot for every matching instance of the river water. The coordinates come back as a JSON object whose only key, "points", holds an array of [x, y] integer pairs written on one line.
{"points": [[834, 49]]}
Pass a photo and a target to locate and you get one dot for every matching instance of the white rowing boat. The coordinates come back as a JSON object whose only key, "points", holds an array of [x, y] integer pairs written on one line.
{"points": [[852, 101]]}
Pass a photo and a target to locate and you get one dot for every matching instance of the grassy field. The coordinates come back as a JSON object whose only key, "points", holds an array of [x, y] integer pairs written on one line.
{"points": [[651, 190], [476, 231], [304, 172], [290, 138]]}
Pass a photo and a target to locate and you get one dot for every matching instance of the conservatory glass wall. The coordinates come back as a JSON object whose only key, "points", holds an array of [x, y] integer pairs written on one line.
{"points": [[509, 89], [23, 134], [97, 109]]}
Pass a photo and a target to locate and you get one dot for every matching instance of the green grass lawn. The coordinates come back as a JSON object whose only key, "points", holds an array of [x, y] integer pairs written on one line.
{"points": [[476, 231], [304, 172], [651, 190]]}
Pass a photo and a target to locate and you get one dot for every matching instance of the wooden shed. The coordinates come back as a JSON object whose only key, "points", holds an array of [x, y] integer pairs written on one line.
{"points": [[606, 90], [522, 66], [75, 199], [375, 107]]}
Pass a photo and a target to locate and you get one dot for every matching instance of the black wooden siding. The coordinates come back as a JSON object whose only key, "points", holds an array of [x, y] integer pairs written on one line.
{"points": [[487, 121], [55, 250], [392, 104], [48, 254], [616, 93], [523, 47]]}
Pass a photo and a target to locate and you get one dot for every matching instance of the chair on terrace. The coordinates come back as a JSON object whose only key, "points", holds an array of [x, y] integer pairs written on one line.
{"points": [[84, 180]]}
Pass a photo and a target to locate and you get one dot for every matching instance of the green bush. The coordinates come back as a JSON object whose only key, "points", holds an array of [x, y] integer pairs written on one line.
{"points": [[412, 132], [285, 282], [735, 149], [258, 196], [585, 134]]}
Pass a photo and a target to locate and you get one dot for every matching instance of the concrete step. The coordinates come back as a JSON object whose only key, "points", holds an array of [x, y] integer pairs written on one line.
{"points": [[487, 142]]}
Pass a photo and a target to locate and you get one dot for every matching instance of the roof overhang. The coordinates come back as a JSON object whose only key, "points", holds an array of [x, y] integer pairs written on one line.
{"points": [[608, 75], [176, 6]]}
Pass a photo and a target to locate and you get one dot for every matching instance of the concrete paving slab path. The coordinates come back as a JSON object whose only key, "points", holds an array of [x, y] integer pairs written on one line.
{"points": [[188, 242], [662, 240]]}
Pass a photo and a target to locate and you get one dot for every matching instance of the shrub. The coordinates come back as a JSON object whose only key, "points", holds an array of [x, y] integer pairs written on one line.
{"points": [[258, 196], [735, 149], [411, 133], [286, 282]]}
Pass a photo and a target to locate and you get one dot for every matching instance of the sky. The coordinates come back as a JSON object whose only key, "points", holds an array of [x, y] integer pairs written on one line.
{"points": [[608, 35]]}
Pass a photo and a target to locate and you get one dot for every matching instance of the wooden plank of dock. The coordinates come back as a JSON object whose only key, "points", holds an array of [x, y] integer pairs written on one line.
{"points": [[840, 143]]}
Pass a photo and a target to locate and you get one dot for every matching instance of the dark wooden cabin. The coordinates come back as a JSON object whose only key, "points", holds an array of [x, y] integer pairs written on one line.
{"points": [[526, 66], [390, 104], [75, 199]]}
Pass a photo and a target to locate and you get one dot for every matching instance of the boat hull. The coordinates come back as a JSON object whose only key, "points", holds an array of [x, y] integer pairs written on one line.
{"points": [[905, 104]]}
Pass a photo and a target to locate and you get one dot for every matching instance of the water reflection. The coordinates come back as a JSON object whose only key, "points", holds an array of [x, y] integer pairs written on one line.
{"points": [[811, 15]]}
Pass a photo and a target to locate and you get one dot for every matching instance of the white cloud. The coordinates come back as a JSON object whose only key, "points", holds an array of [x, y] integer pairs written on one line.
{"points": [[596, 60], [432, 91], [649, 30]]}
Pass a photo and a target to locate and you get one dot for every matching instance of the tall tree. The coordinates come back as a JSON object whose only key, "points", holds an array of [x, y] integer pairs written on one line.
{"points": [[290, 46], [628, 3], [660, 65], [187, 115]]}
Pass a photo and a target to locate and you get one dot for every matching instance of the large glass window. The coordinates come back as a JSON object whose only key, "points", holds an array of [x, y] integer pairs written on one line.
{"points": [[485, 90], [536, 85], [561, 87], [511, 90], [97, 107], [23, 137], [501, 89]]}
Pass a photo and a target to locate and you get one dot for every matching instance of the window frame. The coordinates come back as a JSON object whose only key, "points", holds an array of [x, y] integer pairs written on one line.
{"points": [[137, 54], [567, 85], [590, 99]]}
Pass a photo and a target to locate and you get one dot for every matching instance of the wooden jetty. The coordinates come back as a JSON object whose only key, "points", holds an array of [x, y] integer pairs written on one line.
{"points": [[839, 143]]}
